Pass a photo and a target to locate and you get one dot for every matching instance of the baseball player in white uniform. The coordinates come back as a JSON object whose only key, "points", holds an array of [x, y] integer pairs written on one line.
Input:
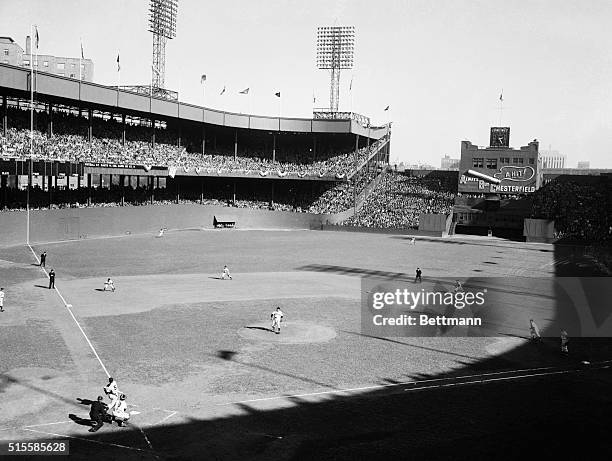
{"points": [[112, 391], [118, 410], [1, 299], [226, 273], [277, 318], [161, 232], [109, 285]]}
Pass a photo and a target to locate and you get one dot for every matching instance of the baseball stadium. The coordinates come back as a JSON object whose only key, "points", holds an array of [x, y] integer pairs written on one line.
{"points": [[307, 215]]}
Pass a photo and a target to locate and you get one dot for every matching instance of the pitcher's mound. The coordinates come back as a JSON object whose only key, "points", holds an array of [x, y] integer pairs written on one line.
{"points": [[293, 332]]}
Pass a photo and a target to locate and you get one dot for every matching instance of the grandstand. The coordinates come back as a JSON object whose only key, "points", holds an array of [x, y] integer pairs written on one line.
{"points": [[94, 144]]}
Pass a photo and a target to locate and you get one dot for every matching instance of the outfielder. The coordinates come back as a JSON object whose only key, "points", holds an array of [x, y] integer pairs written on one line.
{"points": [[226, 273], [277, 318], [1, 299]]}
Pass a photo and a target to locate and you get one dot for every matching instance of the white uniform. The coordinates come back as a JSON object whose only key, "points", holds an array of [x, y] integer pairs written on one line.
{"points": [[161, 233], [1, 299], [226, 273], [564, 341], [277, 317], [535, 331], [113, 393], [119, 410], [109, 285]]}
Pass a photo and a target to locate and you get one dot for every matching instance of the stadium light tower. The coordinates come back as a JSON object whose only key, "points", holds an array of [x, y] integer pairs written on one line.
{"points": [[335, 47], [162, 23]]}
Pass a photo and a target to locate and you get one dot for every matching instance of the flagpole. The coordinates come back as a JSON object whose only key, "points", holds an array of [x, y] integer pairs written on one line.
{"points": [[31, 137], [80, 58]]}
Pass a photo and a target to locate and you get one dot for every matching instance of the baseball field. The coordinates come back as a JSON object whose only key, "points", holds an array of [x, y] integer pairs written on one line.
{"points": [[206, 378]]}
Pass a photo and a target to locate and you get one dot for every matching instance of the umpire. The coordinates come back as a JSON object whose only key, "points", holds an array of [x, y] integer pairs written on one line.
{"points": [[51, 279], [97, 414]]}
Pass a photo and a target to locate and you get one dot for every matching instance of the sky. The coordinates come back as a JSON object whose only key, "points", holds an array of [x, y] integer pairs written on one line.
{"points": [[440, 65]]}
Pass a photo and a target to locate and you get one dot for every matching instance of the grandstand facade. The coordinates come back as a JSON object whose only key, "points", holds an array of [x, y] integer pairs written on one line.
{"points": [[98, 143]]}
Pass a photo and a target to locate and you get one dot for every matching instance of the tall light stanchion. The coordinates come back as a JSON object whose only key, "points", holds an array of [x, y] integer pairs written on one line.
{"points": [[335, 50], [162, 24]]}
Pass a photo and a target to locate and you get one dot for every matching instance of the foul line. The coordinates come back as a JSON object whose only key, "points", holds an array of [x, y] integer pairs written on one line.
{"points": [[432, 386], [67, 306]]}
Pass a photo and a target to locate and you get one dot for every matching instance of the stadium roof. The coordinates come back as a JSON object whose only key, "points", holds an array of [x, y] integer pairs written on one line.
{"points": [[15, 81]]}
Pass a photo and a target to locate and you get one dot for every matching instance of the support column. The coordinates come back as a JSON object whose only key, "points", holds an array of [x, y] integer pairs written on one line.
{"points": [[203, 140], [49, 120], [274, 147], [234, 199], [272, 194], [89, 189], [153, 133], [235, 143], [152, 187], [179, 137], [314, 146], [90, 125], [123, 130], [4, 115], [122, 183]]}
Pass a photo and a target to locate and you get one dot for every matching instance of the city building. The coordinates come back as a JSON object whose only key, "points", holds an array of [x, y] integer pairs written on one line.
{"points": [[447, 163], [552, 159], [584, 165], [11, 53]]}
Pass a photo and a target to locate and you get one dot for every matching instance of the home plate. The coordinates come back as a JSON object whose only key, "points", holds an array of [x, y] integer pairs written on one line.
{"points": [[134, 412]]}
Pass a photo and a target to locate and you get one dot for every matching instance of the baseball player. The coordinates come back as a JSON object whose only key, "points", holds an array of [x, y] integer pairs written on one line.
{"points": [[412, 241], [112, 391], [226, 273], [109, 285], [277, 318], [118, 410], [161, 232], [564, 341], [1, 299], [458, 286], [534, 330]]}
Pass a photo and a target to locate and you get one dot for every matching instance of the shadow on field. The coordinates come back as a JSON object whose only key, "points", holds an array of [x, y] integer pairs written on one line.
{"points": [[260, 328], [80, 421], [490, 409]]}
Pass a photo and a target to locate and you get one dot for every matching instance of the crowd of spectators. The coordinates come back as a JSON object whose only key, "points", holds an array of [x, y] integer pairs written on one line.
{"points": [[398, 200], [69, 143], [581, 211]]}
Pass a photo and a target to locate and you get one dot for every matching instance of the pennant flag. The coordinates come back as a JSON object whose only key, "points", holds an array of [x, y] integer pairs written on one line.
{"points": [[314, 99], [386, 109], [222, 91], [245, 91], [119, 65], [82, 54], [277, 94], [501, 96], [37, 38], [203, 78], [351, 84]]}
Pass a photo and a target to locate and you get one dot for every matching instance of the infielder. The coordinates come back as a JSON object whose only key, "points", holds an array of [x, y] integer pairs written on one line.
{"points": [[1, 299], [226, 273], [277, 318], [161, 232], [109, 285]]}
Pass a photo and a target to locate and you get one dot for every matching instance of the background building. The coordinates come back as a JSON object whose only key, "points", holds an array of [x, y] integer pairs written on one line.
{"points": [[584, 165], [552, 159], [11, 53], [447, 163]]}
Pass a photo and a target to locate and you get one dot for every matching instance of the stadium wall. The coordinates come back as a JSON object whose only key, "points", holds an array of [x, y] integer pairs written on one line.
{"points": [[539, 230], [82, 223]]}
